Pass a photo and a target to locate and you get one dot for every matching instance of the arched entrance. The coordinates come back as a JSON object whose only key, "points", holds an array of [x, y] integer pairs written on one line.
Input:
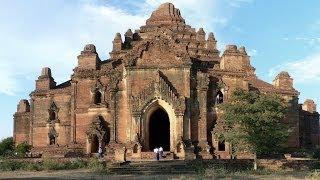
{"points": [[159, 130], [158, 118], [98, 135]]}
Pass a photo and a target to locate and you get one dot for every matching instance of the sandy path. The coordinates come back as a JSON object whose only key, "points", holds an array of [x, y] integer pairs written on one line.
{"points": [[87, 174]]}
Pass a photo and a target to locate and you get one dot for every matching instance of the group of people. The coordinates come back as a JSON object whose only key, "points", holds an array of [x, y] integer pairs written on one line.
{"points": [[158, 152]]}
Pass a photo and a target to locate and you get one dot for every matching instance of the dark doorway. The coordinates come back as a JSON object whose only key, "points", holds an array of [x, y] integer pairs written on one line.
{"points": [[97, 97], [221, 146], [52, 139], [52, 115], [159, 130], [94, 144]]}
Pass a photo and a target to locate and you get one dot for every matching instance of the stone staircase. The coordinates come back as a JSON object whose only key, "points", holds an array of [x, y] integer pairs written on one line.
{"points": [[163, 167], [150, 156]]}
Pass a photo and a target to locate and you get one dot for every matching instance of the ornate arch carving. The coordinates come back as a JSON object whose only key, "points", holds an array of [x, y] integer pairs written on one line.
{"points": [[100, 129], [159, 89], [53, 113], [98, 90]]}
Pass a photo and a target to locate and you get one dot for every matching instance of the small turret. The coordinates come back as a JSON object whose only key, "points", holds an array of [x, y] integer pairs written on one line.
{"points": [[45, 80], [128, 38], [128, 35], [89, 49], [88, 59], [117, 43], [211, 42], [231, 49], [136, 35], [231, 59], [309, 106], [23, 106], [201, 35], [46, 72], [242, 50], [283, 81]]}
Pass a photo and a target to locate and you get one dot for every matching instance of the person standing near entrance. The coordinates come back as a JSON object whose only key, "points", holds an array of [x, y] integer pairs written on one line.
{"points": [[156, 151], [161, 152], [100, 152]]}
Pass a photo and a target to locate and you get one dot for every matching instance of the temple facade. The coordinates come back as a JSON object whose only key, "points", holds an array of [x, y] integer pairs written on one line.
{"points": [[160, 87]]}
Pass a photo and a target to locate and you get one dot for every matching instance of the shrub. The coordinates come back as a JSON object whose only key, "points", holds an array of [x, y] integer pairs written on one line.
{"points": [[77, 164], [22, 149], [216, 171], [9, 165], [31, 166], [50, 164], [98, 166], [198, 166]]}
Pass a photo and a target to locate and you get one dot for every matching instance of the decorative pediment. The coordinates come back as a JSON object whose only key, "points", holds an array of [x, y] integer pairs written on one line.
{"points": [[159, 89]]}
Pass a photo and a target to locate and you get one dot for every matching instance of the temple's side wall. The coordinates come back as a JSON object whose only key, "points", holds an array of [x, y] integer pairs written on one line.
{"points": [[292, 119], [41, 119], [309, 125]]}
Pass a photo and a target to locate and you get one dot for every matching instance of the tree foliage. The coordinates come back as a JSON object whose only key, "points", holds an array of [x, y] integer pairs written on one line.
{"points": [[6, 146], [254, 122]]}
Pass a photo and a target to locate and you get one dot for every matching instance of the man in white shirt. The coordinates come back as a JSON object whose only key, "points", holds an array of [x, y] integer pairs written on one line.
{"points": [[156, 151], [161, 152], [100, 152]]}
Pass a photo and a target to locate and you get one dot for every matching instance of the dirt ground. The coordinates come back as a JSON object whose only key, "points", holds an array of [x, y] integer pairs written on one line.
{"points": [[86, 174]]}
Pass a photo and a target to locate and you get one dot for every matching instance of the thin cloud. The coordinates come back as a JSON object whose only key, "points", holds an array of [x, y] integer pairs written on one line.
{"points": [[303, 71], [311, 41], [8, 85], [239, 3], [252, 52]]}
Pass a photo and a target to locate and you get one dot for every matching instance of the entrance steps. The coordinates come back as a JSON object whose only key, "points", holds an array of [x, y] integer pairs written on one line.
{"points": [[150, 156], [163, 167]]}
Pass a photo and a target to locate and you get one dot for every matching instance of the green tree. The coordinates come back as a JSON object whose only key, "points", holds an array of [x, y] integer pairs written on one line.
{"points": [[254, 123], [6, 146]]}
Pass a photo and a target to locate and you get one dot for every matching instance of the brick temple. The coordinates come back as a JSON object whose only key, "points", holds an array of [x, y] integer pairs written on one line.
{"points": [[160, 87]]}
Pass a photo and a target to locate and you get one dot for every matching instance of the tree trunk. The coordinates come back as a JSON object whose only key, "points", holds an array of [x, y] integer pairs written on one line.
{"points": [[255, 162]]}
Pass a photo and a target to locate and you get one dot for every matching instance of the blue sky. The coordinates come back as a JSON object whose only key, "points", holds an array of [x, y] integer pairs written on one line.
{"points": [[279, 35]]}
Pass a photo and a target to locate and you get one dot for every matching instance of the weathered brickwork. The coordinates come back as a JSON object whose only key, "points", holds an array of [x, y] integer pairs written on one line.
{"points": [[167, 65]]}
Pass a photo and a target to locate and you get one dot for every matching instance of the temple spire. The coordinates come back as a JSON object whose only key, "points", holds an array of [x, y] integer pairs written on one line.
{"points": [[165, 15]]}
